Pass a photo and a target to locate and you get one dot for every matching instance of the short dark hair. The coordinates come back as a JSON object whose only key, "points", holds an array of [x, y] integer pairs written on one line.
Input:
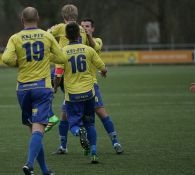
{"points": [[72, 31], [88, 20]]}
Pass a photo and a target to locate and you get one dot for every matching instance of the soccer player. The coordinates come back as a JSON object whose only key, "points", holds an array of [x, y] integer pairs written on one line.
{"points": [[69, 13], [29, 50], [96, 43], [79, 90]]}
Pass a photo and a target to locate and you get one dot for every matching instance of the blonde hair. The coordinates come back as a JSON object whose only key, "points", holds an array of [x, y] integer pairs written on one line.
{"points": [[69, 12]]}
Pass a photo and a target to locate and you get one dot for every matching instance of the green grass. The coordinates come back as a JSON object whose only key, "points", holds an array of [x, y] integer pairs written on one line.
{"points": [[154, 116]]}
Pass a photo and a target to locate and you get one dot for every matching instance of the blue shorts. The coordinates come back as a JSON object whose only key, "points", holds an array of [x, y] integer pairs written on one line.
{"points": [[81, 113], [98, 97], [51, 113], [35, 105]]}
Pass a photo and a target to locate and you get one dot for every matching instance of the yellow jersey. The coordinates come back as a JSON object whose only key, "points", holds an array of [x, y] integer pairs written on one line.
{"points": [[58, 31], [29, 50], [97, 48], [78, 75]]}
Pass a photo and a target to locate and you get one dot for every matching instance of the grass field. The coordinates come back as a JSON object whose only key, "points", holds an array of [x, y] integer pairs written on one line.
{"points": [[153, 112]]}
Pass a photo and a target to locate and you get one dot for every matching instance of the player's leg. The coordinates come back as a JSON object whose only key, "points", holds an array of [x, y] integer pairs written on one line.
{"points": [[41, 104], [75, 113], [24, 99], [63, 128], [106, 120], [89, 123]]}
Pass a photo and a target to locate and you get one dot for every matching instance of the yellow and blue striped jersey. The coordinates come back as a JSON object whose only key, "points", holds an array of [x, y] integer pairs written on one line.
{"points": [[29, 50], [97, 48], [78, 75]]}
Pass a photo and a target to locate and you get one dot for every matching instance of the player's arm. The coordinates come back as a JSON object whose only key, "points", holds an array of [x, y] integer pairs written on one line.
{"points": [[98, 44], [57, 55], [90, 40], [192, 87], [98, 63], [59, 71], [54, 30], [9, 56]]}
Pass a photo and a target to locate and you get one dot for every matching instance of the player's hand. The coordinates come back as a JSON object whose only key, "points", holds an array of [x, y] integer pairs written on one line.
{"points": [[55, 89], [56, 83], [104, 73], [192, 87], [87, 31]]}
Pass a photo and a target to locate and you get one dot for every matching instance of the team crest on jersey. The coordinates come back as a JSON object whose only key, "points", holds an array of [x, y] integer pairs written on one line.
{"points": [[34, 112]]}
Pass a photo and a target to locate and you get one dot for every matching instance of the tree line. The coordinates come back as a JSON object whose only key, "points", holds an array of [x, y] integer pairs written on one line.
{"points": [[117, 22]]}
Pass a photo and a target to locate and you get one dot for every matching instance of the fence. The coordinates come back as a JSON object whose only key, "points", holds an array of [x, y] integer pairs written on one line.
{"points": [[146, 54]]}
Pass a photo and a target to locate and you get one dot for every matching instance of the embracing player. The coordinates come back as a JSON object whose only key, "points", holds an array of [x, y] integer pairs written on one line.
{"points": [[69, 13], [96, 43], [79, 89]]}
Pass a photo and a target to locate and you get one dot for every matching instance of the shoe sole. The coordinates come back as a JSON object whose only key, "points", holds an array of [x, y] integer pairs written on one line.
{"points": [[119, 152], [59, 153], [27, 171], [118, 149], [94, 160], [50, 125], [83, 139]]}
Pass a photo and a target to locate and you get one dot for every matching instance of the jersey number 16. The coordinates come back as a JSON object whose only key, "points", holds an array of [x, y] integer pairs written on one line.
{"points": [[78, 63]]}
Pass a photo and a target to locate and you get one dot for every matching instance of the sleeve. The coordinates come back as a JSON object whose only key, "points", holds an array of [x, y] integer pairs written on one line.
{"points": [[58, 57], [96, 60], [98, 44], [54, 30], [9, 56]]}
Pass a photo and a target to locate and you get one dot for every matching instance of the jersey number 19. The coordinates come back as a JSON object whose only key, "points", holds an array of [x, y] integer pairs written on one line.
{"points": [[34, 50]]}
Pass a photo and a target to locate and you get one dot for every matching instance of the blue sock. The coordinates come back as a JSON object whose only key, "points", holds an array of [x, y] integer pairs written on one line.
{"points": [[63, 131], [34, 147], [92, 136], [108, 125], [41, 161], [93, 150], [75, 130]]}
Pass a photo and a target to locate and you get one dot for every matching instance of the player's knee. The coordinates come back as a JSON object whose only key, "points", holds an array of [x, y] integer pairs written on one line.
{"points": [[63, 116], [101, 112], [87, 125]]}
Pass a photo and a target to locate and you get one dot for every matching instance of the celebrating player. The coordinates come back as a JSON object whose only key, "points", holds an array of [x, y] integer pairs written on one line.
{"points": [[69, 13], [29, 50], [79, 91], [96, 43]]}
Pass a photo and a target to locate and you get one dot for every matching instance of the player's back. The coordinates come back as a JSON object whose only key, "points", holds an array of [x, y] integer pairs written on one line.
{"points": [[32, 47], [78, 77], [58, 31]]}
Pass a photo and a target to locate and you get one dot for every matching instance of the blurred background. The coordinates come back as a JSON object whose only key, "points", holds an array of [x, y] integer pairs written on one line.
{"points": [[126, 25], [124, 22]]}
